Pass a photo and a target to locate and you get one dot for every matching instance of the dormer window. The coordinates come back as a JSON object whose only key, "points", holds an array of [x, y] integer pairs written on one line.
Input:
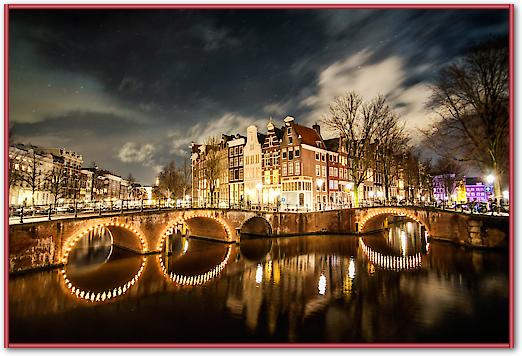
{"points": [[289, 131], [318, 143]]}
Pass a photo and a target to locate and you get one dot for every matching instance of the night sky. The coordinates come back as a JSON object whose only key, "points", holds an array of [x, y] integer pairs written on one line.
{"points": [[132, 89]]}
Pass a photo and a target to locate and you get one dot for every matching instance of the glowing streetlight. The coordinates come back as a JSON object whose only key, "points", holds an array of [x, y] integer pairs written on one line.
{"points": [[505, 194], [320, 183], [490, 179]]}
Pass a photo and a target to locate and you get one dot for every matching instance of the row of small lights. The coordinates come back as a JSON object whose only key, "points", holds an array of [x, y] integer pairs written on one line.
{"points": [[198, 279], [384, 211], [105, 295], [73, 241], [391, 262]]}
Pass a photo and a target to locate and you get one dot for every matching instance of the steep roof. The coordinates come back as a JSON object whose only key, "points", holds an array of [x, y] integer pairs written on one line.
{"points": [[308, 135], [332, 144]]}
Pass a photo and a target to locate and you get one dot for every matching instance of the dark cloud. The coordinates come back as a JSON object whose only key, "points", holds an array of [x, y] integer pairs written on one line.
{"points": [[132, 78]]}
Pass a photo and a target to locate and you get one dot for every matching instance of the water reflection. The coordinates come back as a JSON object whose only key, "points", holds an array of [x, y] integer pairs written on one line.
{"points": [[299, 289], [90, 277], [91, 250], [194, 263]]}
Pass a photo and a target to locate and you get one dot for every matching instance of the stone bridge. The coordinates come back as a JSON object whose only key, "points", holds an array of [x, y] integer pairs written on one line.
{"points": [[48, 243]]}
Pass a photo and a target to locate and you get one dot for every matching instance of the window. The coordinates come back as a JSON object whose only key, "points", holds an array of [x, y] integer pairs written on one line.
{"points": [[231, 162], [231, 173], [323, 157], [317, 156], [290, 154], [240, 173], [330, 171], [284, 154], [267, 177], [289, 131], [296, 152], [290, 140], [317, 170], [290, 168], [284, 169], [236, 174], [240, 150], [335, 171], [297, 168], [324, 171], [240, 160], [318, 143], [276, 176]]}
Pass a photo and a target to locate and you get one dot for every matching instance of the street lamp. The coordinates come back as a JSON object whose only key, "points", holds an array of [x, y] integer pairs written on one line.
{"points": [[490, 179]]}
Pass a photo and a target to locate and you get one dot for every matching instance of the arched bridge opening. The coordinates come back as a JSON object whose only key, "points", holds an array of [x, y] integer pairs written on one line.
{"points": [[121, 235], [379, 218], [256, 226]]}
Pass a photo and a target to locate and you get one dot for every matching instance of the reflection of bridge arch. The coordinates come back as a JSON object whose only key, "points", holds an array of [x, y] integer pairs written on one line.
{"points": [[199, 279], [199, 224], [395, 263], [256, 225], [371, 213], [118, 232], [105, 295]]}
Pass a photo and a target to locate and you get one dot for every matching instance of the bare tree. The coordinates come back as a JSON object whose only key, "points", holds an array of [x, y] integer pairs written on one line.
{"points": [[471, 98], [15, 176], [56, 182], [169, 180], [185, 178], [448, 174], [212, 165], [360, 123], [95, 182], [132, 181], [393, 141], [32, 175]]}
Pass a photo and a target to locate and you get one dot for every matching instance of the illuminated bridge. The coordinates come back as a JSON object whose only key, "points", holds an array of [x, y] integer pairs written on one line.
{"points": [[48, 243]]}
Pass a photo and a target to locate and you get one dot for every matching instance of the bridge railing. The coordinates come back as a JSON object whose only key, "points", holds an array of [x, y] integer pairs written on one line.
{"points": [[81, 209]]}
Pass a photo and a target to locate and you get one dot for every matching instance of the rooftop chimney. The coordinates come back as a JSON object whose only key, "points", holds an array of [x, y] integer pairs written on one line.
{"points": [[317, 128]]}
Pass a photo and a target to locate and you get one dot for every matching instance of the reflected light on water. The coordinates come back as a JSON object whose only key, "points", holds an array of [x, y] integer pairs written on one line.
{"points": [[403, 242], [351, 268], [322, 284], [105, 295], [259, 274]]}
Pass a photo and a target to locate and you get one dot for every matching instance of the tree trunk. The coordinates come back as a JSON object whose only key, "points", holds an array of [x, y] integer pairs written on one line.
{"points": [[356, 196]]}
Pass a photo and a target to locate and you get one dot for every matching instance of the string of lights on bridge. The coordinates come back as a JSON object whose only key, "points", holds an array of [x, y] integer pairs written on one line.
{"points": [[196, 280], [395, 263], [106, 295]]}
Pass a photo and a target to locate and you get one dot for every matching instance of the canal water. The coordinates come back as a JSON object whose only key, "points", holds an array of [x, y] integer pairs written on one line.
{"points": [[389, 287]]}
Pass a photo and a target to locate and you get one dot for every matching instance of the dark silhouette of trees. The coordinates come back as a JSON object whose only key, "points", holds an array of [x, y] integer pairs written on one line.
{"points": [[471, 98]]}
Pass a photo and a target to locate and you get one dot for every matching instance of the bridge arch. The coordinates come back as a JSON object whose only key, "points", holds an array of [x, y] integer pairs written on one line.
{"points": [[256, 225], [199, 224], [119, 233], [366, 217]]}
